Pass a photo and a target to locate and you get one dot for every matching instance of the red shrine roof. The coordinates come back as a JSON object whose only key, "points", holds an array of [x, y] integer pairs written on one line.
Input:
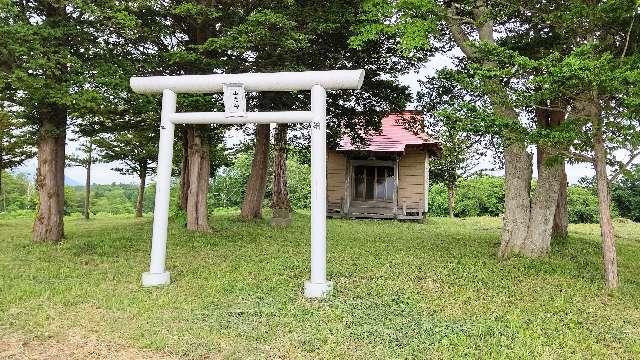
{"points": [[395, 136]]}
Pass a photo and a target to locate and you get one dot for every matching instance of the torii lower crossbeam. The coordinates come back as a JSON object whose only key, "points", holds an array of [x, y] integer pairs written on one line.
{"points": [[317, 81]]}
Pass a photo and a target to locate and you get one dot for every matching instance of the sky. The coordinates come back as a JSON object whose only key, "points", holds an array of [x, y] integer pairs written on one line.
{"points": [[102, 174]]}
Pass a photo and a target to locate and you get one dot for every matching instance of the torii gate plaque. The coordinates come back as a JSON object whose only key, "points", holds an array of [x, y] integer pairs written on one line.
{"points": [[234, 87]]}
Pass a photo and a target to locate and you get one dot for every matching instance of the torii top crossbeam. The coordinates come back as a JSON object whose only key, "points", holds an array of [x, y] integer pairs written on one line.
{"points": [[234, 87], [279, 81]]}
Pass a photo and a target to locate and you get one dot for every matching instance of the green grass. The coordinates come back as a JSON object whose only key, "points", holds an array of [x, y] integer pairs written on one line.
{"points": [[402, 290]]}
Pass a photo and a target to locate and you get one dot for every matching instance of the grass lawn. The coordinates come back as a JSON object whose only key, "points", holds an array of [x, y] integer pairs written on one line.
{"points": [[402, 290]]}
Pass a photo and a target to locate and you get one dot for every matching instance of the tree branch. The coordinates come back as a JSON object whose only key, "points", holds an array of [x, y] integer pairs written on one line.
{"points": [[459, 35], [578, 156], [626, 43], [622, 167]]}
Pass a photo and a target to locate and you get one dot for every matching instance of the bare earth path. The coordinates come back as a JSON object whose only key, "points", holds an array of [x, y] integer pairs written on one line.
{"points": [[75, 346]]}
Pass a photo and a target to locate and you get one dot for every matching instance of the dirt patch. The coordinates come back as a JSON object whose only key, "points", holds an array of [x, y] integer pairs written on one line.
{"points": [[72, 347]]}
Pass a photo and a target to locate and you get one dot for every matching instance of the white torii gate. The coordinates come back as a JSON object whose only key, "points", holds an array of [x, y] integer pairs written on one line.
{"points": [[234, 86]]}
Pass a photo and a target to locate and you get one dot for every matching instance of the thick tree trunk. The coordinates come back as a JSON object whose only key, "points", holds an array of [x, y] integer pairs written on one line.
{"points": [[561, 217], [559, 229], [604, 203], [198, 180], [49, 222], [280, 197], [556, 116], [526, 225], [451, 195], [184, 172], [543, 206], [517, 204], [141, 187], [4, 195], [257, 182], [87, 184]]}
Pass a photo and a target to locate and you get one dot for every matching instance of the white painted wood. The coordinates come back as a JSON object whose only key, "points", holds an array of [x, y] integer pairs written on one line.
{"points": [[279, 81], [249, 117], [157, 274], [316, 81], [318, 286], [235, 100]]}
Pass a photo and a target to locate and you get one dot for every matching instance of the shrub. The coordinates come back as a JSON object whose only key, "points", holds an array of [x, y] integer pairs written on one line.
{"points": [[582, 205], [230, 182], [438, 203], [480, 196], [484, 196], [476, 196], [625, 193]]}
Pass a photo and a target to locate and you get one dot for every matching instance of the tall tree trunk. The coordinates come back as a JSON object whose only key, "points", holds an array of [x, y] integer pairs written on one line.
{"points": [[609, 256], [559, 229], [4, 195], [522, 220], [543, 205], [141, 187], [49, 222], [280, 203], [87, 183], [184, 172], [561, 217], [198, 168], [517, 203], [545, 198], [556, 116], [257, 182], [451, 195]]}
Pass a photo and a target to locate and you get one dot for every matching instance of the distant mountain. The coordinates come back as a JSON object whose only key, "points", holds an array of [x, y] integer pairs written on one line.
{"points": [[69, 181]]}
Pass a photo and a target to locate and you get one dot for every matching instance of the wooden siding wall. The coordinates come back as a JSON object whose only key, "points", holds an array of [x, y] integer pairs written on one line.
{"points": [[336, 167], [411, 177]]}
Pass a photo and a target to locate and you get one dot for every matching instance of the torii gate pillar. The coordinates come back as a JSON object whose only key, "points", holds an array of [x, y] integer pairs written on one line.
{"points": [[235, 113]]}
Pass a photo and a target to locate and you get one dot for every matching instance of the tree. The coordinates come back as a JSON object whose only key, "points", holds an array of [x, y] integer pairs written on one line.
{"points": [[625, 193], [280, 203], [85, 159], [599, 77], [460, 154], [492, 85], [51, 52], [315, 36], [257, 181], [193, 27], [135, 151], [15, 148]]}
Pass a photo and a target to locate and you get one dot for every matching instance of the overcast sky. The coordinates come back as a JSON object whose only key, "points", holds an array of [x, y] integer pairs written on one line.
{"points": [[102, 173]]}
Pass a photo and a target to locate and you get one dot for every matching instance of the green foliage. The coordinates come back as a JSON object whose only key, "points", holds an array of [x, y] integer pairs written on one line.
{"points": [[114, 200], [85, 156], [299, 183], [481, 196], [582, 205], [135, 149], [230, 182], [475, 196], [63, 56], [17, 193], [461, 150], [229, 185], [402, 290], [625, 193], [484, 196], [15, 145], [438, 203]]}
